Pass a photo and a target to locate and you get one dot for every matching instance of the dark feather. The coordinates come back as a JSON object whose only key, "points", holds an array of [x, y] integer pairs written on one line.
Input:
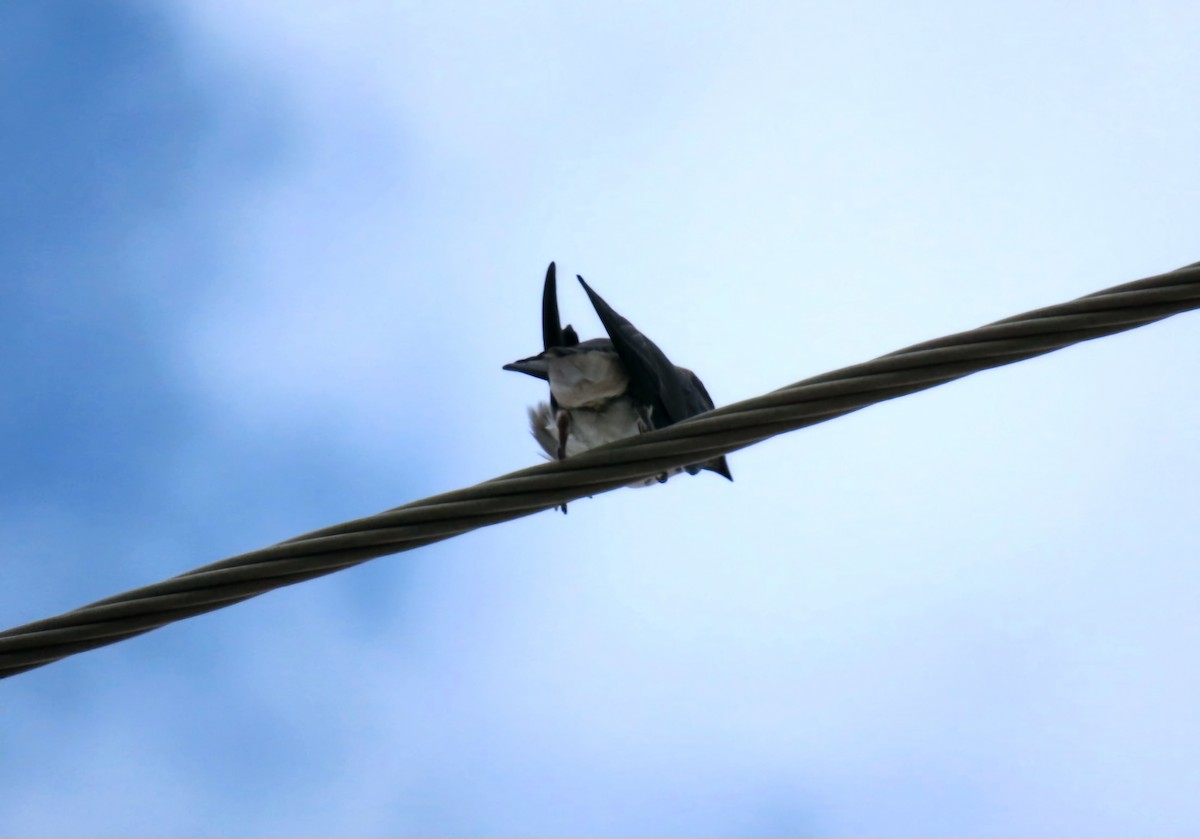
{"points": [[552, 331], [674, 393], [653, 379]]}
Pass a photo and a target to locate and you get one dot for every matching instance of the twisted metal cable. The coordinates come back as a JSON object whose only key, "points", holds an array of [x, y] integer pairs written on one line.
{"points": [[546, 486]]}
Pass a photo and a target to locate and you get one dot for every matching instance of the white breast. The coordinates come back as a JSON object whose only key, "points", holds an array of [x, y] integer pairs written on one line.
{"points": [[586, 379], [590, 428]]}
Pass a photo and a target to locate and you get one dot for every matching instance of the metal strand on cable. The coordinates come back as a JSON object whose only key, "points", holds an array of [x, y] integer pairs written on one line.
{"points": [[546, 486]]}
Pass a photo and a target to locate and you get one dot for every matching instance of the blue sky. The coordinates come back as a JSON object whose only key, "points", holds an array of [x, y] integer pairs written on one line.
{"points": [[261, 267]]}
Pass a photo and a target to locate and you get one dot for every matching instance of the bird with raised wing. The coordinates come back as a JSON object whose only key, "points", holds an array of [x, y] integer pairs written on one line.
{"points": [[605, 389]]}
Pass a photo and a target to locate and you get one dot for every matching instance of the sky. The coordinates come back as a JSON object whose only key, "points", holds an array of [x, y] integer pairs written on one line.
{"points": [[260, 267]]}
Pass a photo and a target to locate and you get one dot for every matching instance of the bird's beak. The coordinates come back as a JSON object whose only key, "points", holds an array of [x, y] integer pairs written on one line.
{"points": [[536, 366]]}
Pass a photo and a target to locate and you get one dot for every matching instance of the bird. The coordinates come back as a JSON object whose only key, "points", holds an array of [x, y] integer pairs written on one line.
{"points": [[606, 389]]}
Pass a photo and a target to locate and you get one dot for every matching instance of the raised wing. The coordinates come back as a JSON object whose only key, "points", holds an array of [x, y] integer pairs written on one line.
{"points": [[674, 393], [554, 334], [552, 331], [653, 379]]}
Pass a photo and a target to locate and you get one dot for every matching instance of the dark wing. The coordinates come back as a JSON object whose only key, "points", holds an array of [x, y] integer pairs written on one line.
{"points": [[703, 402], [698, 400], [554, 334], [653, 379], [675, 392], [552, 331]]}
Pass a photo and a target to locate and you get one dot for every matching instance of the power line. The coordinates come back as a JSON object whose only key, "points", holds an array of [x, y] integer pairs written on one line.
{"points": [[546, 486]]}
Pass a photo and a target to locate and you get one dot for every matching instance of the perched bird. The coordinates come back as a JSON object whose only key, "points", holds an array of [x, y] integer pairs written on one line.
{"points": [[605, 389]]}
